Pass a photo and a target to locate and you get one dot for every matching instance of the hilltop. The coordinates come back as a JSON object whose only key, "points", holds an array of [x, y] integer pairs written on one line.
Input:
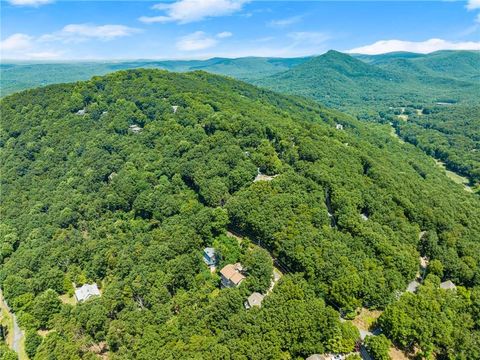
{"points": [[361, 83], [17, 76], [124, 179]]}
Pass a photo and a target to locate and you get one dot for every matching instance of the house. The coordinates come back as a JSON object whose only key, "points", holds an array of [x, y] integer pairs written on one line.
{"points": [[174, 108], [111, 176], [231, 275], [448, 285], [86, 291], [263, 177], [81, 112], [135, 128], [339, 126], [413, 286], [318, 357], [255, 299], [209, 256]]}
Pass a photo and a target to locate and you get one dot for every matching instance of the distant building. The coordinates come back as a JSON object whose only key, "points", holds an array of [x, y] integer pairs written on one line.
{"points": [[135, 128], [111, 176], [339, 126], [81, 112], [86, 292], [263, 177], [209, 256], [255, 299], [448, 285], [231, 275], [174, 108], [413, 286], [318, 357]]}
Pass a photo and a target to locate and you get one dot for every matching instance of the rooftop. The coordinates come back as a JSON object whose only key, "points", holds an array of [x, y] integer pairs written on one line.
{"points": [[255, 299], [232, 273], [448, 285], [86, 291], [209, 251]]}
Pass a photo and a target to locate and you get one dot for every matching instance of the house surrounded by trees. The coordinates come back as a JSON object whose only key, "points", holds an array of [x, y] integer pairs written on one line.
{"points": [[86, 292], [231, 275]]}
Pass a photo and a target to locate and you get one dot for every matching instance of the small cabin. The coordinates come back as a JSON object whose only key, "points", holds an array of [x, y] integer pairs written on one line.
{"points": [[255, 299], [174, 108], [209, 256], [263, 177], [81, 112], [86, 292], [448, 285], [135, 129], [111, 176], [231, 275], [413, 286], [339, 126], [318, 357]]}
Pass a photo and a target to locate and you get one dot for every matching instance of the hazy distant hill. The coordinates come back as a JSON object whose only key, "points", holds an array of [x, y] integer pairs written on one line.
{"points": [[364, 82], [20, 76]]}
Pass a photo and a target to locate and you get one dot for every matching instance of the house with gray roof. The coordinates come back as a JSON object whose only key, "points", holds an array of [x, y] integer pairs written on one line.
{"points": [[209, 256], [255, 299], [448, 285], [86, 292]]}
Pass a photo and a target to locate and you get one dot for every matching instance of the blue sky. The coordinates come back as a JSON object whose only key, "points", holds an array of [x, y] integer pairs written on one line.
{"points": [[188, 29]]}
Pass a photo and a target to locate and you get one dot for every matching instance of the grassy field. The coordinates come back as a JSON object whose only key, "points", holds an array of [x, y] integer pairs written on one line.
{"points": [[454, 176]]}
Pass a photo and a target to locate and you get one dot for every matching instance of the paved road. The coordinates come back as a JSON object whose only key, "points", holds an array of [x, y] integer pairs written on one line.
{"points": [[17, 332]]}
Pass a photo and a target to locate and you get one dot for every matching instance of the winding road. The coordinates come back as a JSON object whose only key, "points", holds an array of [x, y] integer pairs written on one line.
{"points": [[17, 332]]}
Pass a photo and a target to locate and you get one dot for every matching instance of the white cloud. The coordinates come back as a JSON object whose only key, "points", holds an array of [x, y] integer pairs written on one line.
{"points": [[224, 34], [185, 11], [195, 41], [423, 47], [473, 4], [285, 22], [309, 37], [52, 46], [82, 32], [16, 42], [34, 3]]}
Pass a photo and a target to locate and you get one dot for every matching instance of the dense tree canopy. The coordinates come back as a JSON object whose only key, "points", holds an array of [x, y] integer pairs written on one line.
{"points": [[86, 199]]}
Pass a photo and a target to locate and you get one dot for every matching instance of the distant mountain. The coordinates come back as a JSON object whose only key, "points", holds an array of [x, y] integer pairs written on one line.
{"points": [[21, 76], [365, 82], [333, 78]]}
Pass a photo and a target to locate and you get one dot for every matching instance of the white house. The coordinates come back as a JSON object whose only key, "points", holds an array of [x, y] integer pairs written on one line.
{"points": [[86, 291]]}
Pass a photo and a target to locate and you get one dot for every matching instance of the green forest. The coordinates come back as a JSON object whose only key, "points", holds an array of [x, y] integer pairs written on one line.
{"points": [[431, 100], [443, 85], [348, 212]]}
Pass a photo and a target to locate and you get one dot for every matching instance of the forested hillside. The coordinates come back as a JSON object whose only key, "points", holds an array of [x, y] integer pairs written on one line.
{"points": [[348, 210], [399, 88], [21, 76], [369, 84]]}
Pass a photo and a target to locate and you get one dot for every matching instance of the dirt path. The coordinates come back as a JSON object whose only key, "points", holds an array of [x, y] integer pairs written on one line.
{"points": [[16, 343]]}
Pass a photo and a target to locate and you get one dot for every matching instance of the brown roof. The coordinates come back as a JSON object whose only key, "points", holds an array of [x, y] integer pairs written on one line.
{"points": [[228, 271], [237, 278], [231, 272]]}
